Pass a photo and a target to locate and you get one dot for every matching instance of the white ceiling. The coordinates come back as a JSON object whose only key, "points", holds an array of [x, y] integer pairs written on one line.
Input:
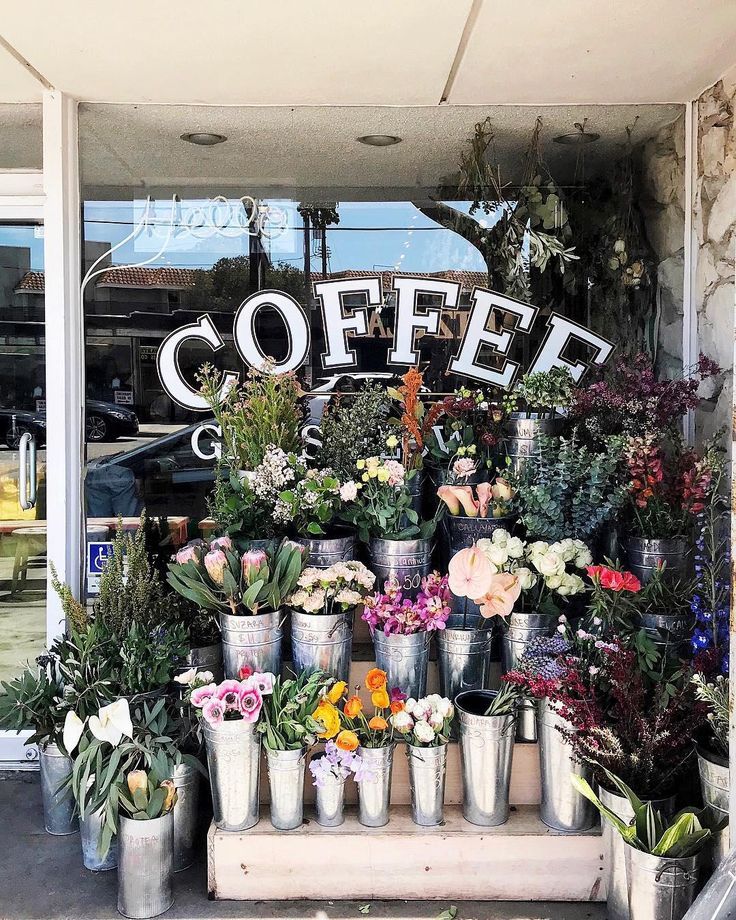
{"points": [[386, 52]]}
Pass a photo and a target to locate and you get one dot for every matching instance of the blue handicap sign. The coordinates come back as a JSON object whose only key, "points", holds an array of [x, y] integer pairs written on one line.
{"points": [[97, 556]]}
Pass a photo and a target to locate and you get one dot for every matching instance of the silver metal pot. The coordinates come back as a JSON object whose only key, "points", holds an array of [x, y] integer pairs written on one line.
{"points": [[286, 783], [321, 642], [614, 854], [660, 888], [464, 614], [404, 659], [668, 631], [562, 808], [415, 485], [521, 629], [205, 658], [427, 771], [374, 794], [59, 816], [326, 551], [146, 869], [330, 802], [715, 786], [234, 760], [464, 531], [406, 561], [521, 436], [90, 831], [645, 556], [464, 658], [486, 753], [186, 814], [252, 641]]}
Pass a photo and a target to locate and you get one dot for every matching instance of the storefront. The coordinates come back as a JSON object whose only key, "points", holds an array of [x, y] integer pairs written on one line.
{"points": [[135, 232]]}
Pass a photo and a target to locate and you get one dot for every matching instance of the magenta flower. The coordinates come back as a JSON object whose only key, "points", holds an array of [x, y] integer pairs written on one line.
{"points": [[396, 695], [213, 712], [215, 562], [229, 693], [201, 694], [249, 704], [263, 682]]}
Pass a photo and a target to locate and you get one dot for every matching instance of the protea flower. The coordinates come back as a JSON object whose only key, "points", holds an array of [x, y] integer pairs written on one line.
{"points": [[137, 780], [170, 800], [223, 543], [252, 563], [215, 562], [188, 553]]}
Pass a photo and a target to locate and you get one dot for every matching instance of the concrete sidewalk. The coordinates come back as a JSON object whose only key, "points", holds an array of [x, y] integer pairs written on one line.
{"points": [[42, 878]]}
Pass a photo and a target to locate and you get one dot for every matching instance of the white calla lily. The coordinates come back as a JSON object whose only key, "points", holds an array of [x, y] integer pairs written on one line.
{"points": [[73, 728], [112, 722]]}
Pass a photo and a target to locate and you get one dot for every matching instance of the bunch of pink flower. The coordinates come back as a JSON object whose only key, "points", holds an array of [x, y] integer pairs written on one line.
{"points": [[231, 700], [395, 614]]}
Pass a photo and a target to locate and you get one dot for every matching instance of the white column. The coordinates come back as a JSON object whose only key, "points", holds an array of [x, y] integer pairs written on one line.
{"points": [[64, 346]]}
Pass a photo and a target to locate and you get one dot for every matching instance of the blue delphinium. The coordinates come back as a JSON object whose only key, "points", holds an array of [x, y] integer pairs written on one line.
{"points": [[711, 601]]}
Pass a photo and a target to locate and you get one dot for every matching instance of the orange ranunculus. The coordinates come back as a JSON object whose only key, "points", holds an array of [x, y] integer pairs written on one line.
{"points": [[347, 740], [397, 706], [378, 724], [353, 707], [380, 699], [375, 679]]}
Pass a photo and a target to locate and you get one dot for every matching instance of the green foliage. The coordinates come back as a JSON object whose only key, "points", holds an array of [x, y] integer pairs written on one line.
{"points": [[505, 700], [239, 512], [546, 390], [715, 695], [287, 721], [75, 613], [148, 658], [384, 511], [686, 835], [354, 425], [569, 490]]}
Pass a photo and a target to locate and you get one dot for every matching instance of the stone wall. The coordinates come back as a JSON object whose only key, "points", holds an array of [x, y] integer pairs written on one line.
{"points": [[714, 225]]}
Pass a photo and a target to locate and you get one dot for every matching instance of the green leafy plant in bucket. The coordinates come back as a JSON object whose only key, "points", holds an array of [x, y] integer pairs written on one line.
{"points": [[685, 835], [149, 795], [290, 718]]}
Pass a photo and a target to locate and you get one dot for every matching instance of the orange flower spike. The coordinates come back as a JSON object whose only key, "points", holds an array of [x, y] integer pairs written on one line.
{"points": [[347, 740], [378, 724], [410, 390], [353, 707], [380, 699], [375, 679]]}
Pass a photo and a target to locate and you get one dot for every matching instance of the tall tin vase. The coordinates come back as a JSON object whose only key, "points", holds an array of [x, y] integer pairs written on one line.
{"points": [[329, 801], [286, 785], [322, 642], [186, 814], [464, 659], [59, 816], [90, 831], [563, 808], [486, 753], [323, 552], [427, 771], [521, 629], [233, 759], [374, 793], [660, 887], [251, 641], [405, 561], [146, 867], [404, 659]]}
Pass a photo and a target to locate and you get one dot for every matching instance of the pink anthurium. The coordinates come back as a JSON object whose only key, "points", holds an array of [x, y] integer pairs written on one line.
{"points": [[470, 573], [502, 594]]}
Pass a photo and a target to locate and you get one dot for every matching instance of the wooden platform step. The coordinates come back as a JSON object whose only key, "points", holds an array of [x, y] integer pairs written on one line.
{"points": [[520, 861]]}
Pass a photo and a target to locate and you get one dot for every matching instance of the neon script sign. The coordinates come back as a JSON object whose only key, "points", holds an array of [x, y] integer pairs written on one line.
{"points": [[340, 322]]}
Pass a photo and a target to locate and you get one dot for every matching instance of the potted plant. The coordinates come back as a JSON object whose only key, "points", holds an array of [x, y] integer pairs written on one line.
{"points": [[228, 713], [476, 511], [329, 771], [487, 721], [543, 396], [295, 714], [462, 441], [399, 543], [248, 591], [425, 725], [712, 749], [146, 844], [353, 425], [401, 628], [322, 612], [376, 738], [663, 858]]}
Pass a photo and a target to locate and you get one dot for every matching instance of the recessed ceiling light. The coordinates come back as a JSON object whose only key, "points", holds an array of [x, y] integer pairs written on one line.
{"points": [[379, 140], [204, 138]]}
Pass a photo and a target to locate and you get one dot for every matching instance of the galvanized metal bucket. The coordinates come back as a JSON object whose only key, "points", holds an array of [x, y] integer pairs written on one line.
{"points": [[186, 815], [204, 658], [286, 783], [321, 642], [660, 888], [427, 771], [465, 614], [233, 759], [715, 786], [330, 802], [59, 817], [90, 831], [374, 793], [252, 641], [486, 753], [562, 808], [406, 561], [415, 485], [521, 629], [464, 531], [404, 659], [521, 436], [645, 556], [668, 631], [614, 854], [464, 658], [146, 869], [326, 551]]}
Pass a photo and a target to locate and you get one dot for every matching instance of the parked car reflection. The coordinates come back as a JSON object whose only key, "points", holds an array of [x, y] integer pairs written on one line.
{"points": [[103, 422]]}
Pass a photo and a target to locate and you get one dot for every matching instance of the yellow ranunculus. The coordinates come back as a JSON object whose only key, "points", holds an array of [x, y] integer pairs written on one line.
{"points": [[380, 699], [382, 475], [336, 691], [328, 716], [360, 464], [365, 477], [372, 472]]}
